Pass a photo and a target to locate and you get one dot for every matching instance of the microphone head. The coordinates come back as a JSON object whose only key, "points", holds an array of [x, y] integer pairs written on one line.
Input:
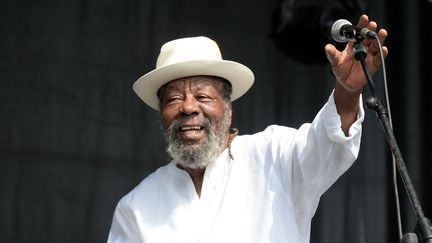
{"points": [[336, 30]]}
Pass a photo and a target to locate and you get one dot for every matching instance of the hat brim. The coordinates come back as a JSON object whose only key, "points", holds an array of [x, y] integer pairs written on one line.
{"points": [[240, 76]]}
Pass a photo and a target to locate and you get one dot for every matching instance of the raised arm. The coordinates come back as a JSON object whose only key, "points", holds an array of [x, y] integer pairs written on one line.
{"points": [[350, 78]]}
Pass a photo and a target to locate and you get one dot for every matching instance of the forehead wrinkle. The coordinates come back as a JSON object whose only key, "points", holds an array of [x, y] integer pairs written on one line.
{"points": [[194, 83]]}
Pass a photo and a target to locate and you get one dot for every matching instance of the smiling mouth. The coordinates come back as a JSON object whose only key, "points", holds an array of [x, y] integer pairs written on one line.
{"points": [[192, 133], [191, 128]]}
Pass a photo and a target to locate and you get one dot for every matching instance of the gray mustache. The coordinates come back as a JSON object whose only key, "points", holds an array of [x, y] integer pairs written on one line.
{"points": [[174, 128]]}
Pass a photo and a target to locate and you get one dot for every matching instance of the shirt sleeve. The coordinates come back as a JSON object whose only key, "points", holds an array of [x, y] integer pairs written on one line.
{"points": [[313, 157]]}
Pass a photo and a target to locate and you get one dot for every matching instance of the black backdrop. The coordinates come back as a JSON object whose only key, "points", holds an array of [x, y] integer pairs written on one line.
{"points": [[74, 138]]}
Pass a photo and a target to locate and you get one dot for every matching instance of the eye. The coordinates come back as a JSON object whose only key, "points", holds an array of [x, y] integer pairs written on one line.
{"points": [[173, 99], [203, 98]]}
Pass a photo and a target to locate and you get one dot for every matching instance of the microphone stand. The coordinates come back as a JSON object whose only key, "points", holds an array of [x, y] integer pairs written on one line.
{"points": [[423, 229]]}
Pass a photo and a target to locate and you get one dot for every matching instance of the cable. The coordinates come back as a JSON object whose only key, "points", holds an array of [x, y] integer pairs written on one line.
{"points": [[395, 184], [360, 54]]}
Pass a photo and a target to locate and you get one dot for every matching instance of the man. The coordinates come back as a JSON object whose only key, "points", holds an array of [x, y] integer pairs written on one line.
{"points": [[224, 187]]}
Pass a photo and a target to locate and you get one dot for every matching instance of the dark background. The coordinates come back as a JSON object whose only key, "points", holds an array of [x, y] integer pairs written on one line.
{"points": [[74, 138]]}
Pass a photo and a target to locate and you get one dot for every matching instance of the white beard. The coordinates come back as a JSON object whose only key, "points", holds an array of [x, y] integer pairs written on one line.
{"points": [[197, 158]]}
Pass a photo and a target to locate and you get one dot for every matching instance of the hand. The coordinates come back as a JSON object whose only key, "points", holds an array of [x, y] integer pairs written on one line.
{"points": [[347, 69]]}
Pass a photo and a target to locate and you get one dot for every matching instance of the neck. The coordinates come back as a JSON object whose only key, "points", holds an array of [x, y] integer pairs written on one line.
{"points": [[197, 175]]}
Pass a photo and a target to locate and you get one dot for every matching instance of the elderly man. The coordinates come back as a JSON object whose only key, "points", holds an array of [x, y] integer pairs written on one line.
{"points": [[224, 187]]}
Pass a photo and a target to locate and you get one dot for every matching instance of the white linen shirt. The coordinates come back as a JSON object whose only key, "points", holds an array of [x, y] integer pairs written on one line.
{"points": [[269, 192]]}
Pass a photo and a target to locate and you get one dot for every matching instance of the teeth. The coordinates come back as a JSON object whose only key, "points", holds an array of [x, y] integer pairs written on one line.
{"points": [[188, 128]]}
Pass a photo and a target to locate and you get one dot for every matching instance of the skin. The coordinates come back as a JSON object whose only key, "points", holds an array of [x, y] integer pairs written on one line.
{"points": [[195, 97], [199, 96], [350, 78]]}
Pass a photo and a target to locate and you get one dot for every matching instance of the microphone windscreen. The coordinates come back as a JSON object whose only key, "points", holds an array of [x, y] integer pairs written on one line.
{"points": [[336, 30]]}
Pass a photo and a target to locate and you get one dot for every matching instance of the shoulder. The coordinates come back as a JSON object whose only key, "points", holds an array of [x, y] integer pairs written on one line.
{"points": [[267, 142], [148, 187], [269, 134]]}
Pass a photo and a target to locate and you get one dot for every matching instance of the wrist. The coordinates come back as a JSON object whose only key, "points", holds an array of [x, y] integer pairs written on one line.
{"points": [[342, 88]]}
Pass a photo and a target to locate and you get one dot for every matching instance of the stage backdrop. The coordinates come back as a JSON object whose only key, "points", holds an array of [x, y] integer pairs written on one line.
{"points": [[74, 138]]}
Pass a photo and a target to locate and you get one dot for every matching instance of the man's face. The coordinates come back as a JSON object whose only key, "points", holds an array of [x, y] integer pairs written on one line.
{"points": [[195, 118]]}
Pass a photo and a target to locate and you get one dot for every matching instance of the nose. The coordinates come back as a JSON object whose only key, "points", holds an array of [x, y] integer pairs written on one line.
{"points": [[190, 106]]}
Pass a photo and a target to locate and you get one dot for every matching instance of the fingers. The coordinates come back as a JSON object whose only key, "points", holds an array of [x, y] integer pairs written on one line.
{"points": [[371, 44], [363, 21], [376, 61], [373, 47], [331, 53], [372, 25]]}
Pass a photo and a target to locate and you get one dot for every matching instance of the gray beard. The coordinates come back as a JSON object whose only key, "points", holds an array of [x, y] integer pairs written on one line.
{"points": [[196, 158]]}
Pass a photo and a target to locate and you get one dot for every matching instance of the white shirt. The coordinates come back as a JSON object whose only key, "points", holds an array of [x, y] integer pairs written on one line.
{"points": [[269, 192]]}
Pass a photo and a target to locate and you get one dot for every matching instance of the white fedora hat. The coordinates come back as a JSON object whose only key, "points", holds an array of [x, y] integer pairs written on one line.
{"points": [[191, 57]]}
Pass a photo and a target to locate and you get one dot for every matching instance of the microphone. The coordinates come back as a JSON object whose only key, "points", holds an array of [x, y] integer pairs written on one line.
{"points": [[343, 31]]}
